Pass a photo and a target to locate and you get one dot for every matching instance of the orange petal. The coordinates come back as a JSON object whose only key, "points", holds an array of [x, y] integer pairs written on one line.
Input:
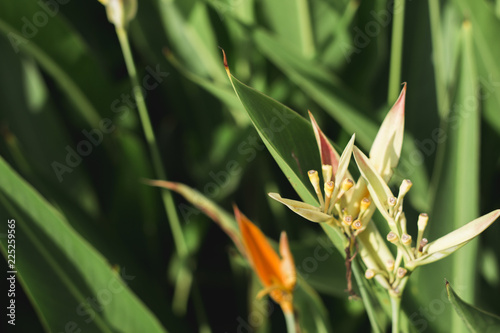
{"points": [[263, 258], [328, 154], [288, 273]]}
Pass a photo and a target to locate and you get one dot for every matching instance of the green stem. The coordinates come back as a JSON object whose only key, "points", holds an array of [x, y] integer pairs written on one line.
{"points": [[290, 322], [175, 226], [396, 51], [395, 306]]}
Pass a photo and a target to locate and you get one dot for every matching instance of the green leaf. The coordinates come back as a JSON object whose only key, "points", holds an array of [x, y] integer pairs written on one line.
{"points": [[287, 136], [291, 23], [327, 90], [78, 271], [221, 90], [188, 28], [331, 94], [457, 182], [484, 34], [476, 320], [66, 82], [290, 146]]}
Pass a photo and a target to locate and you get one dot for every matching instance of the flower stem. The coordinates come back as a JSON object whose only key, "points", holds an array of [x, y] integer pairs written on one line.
{"points": [[395, 306], [168, 202], [396, 51], [290, 321]]}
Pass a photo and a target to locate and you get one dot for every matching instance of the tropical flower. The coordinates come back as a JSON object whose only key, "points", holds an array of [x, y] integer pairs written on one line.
{"points": [[278, 276]]}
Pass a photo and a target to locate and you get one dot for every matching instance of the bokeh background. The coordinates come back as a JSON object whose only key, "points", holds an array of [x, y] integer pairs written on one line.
{"points": [[63, 80]]}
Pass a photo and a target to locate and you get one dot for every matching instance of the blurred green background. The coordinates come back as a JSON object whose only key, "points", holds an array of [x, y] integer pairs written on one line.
{"points": [[85, 219]]}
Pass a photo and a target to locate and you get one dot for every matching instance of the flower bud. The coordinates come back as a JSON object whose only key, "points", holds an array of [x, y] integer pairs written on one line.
{"points": [[406, 239], [357, 225], [389, 265], [401, 272], [329, 186], [392, 237], [347, 184], [120, 12], [422, 221], [369, 274], [347, 219], [365, 203], [405, 187], [327, 172]]}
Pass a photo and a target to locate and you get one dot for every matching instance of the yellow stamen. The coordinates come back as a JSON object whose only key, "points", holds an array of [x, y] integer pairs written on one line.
{"points": [[329, 186], [365, 203], [357, 225], [314, 178], [347, 184], [327, 172], [347, 220], [421, 224]]}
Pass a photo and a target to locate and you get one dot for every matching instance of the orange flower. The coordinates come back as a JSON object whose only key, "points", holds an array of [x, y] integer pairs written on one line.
{"points": [[277, 275]]}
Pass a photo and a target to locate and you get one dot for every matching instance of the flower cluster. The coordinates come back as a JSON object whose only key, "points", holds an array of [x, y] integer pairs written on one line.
{"points": [[347, 206]]}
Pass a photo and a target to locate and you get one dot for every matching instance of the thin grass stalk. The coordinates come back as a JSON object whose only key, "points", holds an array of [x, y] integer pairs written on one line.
{"points": [[168, 202]]}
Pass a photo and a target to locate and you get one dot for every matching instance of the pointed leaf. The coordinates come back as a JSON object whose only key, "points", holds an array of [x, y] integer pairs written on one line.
{"points": [[451, 242], [344, 164], [307, 211], [476, 320], [287, 136], [82, 272], [386, 149], [208, 207], [329, 155], [379, 190]]}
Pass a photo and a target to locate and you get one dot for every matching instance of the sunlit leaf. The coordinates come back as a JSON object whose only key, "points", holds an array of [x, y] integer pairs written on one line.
{"points": [[451, 242], [307, 211], [386, 149], [376, 185], [476, 320]]}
